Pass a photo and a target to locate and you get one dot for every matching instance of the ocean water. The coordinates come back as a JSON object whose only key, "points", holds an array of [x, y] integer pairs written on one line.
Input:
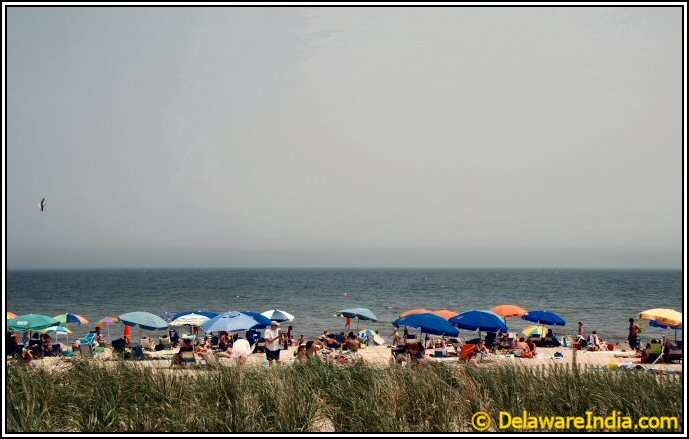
{"points": [[603, 299]]}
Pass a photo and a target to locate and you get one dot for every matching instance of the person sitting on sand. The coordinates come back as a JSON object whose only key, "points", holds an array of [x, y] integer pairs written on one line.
{"points": [[301, 356], [223, 341], [187, 345], [100, 340], [481, 348], [312, 349], [27, 356], [522, 345], [396, 339], [46, 345], [549, 340], [595, 342], [352, 343]]}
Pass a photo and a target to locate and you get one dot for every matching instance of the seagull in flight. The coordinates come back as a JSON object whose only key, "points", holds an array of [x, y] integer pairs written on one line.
{"points": [[42, 205]]}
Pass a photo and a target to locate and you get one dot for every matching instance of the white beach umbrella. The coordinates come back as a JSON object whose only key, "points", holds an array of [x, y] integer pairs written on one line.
{"points": [[192, 319], [277, 315]]}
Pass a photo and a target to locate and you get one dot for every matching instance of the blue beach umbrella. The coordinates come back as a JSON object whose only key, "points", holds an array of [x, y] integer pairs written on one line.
{"points": [[234, 321], [144, 320], [358, 313], [543, 317], [427, 323], [480, 320]]}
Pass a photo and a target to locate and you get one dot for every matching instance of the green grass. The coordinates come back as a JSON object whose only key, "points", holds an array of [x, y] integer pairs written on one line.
{"points": [[434, 398]]}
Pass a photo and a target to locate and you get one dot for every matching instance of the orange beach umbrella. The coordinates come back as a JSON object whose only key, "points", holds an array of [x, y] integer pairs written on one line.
{"points": [[444, 313], [509, 311]]}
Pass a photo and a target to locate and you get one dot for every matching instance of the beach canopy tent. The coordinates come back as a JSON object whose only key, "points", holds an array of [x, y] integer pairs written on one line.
{"points": [[11, 315], [480, 320], [71, 318], [277, 315], [191, 319], [175, 315], [544, 317], [427, 323], [535, 331], [444, 313], [663, 316], [358, 313], [144, 320], [235, 321], [31, 322], [509, 311]]}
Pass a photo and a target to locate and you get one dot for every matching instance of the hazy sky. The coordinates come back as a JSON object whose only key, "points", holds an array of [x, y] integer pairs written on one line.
{"points": [[453, 137]]}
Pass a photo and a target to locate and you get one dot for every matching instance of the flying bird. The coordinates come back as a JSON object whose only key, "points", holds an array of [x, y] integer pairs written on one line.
{"points": [[42, 205]]}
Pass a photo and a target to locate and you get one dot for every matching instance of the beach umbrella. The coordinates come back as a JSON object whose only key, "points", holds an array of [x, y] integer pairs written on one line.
{"points": [[664, 316], [31, 322], [58, 330], [277, 315], [657, 324], [144, 320], [235, 321], [480, 320], [544, 317], [358, 313], [416, 311], [11, 315], [108, 322], [191, 319], [538, 330], [175, 315], [427, 323], [71, 318], [510, 311], [445, 313]]}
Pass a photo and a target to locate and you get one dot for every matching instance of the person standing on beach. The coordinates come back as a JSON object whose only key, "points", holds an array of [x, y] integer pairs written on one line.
{"points": [[633, 336], [272, 338]]}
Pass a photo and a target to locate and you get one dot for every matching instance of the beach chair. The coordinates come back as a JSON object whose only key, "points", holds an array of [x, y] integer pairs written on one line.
{"points": [[165, 342], [87, 345]]}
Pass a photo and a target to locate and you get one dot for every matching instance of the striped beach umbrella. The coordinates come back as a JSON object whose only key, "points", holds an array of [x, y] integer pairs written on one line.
{"points": [[71, 318], [11, 315], [108, 322]]}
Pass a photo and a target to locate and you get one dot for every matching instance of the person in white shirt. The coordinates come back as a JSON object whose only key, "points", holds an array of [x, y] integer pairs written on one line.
{"points": [[272, 339]]}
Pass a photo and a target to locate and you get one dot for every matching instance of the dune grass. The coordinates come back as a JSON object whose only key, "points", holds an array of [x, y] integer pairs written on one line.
{"points": [[319, 397]]}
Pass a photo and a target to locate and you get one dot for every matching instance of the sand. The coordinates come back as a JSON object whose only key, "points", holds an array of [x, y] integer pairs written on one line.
{"points": [[380, 356]]}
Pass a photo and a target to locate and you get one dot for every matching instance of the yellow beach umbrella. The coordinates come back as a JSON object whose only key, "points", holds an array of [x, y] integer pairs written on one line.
{"points": [[662, 315], [11, 315], [538, 330]]}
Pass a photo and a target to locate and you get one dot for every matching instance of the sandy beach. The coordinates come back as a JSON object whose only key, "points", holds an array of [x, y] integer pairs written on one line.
{"points": [[380, 356]]}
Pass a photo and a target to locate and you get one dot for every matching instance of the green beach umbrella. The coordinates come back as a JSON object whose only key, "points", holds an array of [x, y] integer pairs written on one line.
{"points": [[31, 322]]}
